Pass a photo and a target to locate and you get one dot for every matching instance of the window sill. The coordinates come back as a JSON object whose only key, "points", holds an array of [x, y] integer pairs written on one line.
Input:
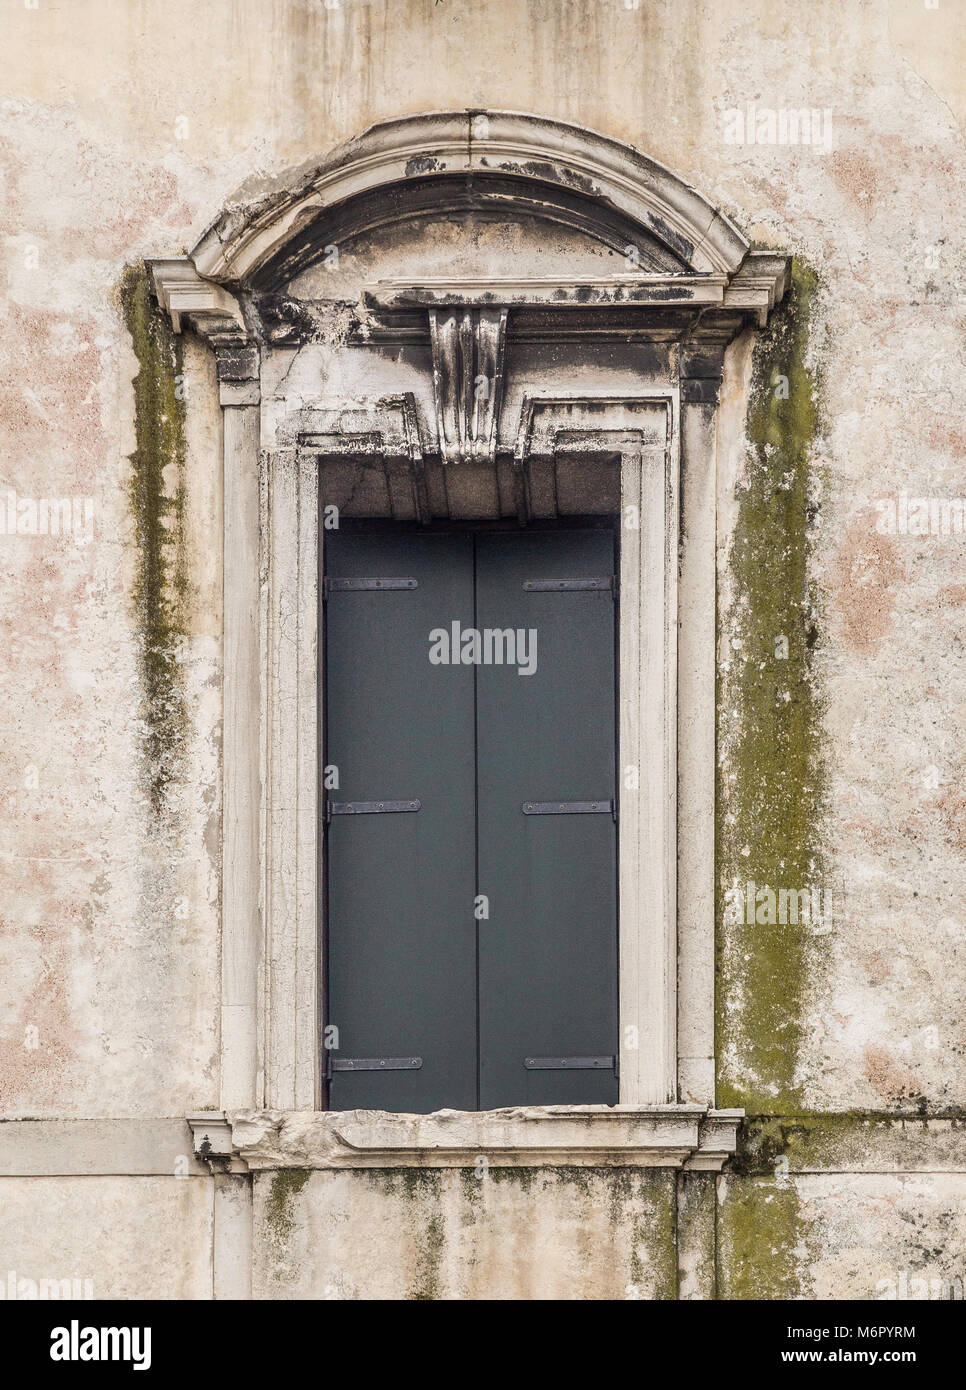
{"points": [[690, 1137]]}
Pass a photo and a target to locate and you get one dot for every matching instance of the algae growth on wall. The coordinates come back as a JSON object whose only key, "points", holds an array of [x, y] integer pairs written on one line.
{"points": [[157, 498], [771, 776]]}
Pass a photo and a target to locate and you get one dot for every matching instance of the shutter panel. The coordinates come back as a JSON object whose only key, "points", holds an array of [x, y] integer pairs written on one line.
{"points": [[401, 968], [548, 953]]}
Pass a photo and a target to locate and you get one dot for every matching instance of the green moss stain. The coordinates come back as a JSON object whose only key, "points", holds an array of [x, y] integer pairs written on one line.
{"points": [[762, 1235], [471, 1187], [696, 1216], [519, 1177], [640, 1205], [620, 1183], [846, 1141], [287, 1183], [771, 792], [420, 1190], [423, 1190], [157, 498], [655, 1231], [410, 1183], [771, 1143], [427, 1285]]}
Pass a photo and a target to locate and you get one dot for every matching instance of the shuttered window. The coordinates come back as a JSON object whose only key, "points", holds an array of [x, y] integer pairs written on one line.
{"points": [[470, 839]]}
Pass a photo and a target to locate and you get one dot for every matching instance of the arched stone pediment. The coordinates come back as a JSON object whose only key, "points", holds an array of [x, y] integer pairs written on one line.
{"points": [[481, 160], [437, 240]]}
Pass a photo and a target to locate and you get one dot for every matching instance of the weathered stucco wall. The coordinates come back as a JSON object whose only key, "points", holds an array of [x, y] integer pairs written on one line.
{"points": [[453, 1233], [117, 1237], [125, 129]]}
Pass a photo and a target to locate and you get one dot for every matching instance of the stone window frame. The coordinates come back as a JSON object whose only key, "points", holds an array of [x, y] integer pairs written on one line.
{"points": [[270, 1078]]}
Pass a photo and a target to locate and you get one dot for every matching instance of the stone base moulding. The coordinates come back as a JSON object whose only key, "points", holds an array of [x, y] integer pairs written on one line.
{"points": [[689, 1137]]}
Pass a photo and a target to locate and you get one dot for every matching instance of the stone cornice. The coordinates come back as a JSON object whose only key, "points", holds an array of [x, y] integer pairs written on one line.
{"points": [[672, 1136], [723, 302], [754, 289], [582, 292]]}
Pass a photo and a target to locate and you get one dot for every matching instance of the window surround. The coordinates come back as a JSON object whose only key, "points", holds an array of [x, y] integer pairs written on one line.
{"points": [[272, 536]]}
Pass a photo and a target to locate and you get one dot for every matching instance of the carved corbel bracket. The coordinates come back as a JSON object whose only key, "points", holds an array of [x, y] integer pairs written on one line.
{"points": [[212, 311], [468, 349], [759, 284], [216, 316]]}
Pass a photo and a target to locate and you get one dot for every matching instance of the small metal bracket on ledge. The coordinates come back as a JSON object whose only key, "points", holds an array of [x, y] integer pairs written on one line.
{"points": [[212, 1137]]}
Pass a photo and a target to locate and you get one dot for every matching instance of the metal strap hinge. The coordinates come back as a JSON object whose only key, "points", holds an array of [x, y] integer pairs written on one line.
{"points": [[581, 586], [346, 586], [570, 1063], [373, 1063], [570, 808], [369, 808]]}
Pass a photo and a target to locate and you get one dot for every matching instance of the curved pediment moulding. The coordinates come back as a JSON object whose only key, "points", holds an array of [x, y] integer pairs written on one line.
{"points": [[567, 163]]}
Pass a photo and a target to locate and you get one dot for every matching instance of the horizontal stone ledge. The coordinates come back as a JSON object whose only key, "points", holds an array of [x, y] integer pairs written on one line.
{"points": [[852, 1142], [146, 1147], [679, 1136], [621, 1136]]}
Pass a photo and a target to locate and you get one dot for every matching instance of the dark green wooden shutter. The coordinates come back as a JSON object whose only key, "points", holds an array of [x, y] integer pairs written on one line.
{"points": [[401, 939], [548, 954], [521, 1006]]}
